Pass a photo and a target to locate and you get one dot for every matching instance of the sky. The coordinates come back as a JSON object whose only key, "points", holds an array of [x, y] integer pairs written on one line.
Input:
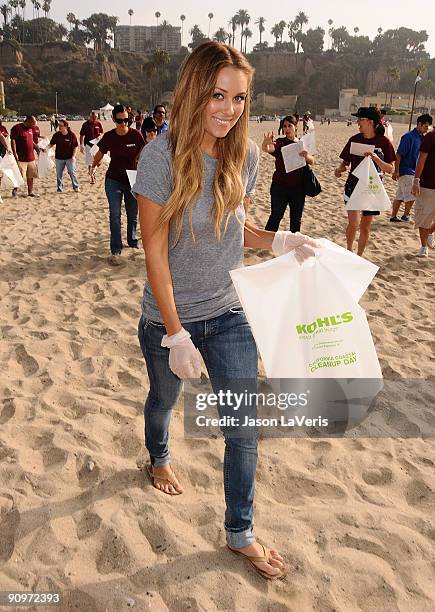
{"points": [[368, 15]]}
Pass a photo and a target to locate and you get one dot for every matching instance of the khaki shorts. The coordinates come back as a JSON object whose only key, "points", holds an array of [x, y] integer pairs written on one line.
{"points": [[424, 213], [28, 169], [404, 187]]}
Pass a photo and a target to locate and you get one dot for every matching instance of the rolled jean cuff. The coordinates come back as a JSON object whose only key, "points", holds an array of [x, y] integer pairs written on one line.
{"points": [[160, 461], [239, 539]]}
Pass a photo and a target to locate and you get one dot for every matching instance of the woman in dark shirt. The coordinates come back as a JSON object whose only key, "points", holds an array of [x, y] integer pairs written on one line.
{"points": [[125, 144], [287, 188], [66, 144], [371, 132]]}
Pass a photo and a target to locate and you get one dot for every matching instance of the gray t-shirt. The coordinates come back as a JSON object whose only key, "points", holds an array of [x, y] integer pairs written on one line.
{"points": [[200, 269]]}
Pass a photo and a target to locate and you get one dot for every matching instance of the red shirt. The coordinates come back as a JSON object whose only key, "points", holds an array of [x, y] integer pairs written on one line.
{"points": [[124, 153], [91, 131], [427, 178], [280, 176], [24, 143], [65, 144]]}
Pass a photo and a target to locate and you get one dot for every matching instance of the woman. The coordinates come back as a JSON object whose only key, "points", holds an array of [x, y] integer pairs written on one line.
{"points": [[138, 119], [192, 185], [124, 144], [371, 132], [66, 144], [287, 188], [149, 129]]}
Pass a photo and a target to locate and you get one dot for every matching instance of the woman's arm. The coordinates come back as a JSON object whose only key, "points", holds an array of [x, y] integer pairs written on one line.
{"points": [[155, 244], [384, 166], [308, 158], [341, 168], [97, 159], [5, 143]]}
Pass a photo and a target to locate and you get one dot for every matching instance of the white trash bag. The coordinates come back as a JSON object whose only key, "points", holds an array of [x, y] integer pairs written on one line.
{"points": [[306, 319], [45, 164], [369, 192], [11, 172]]}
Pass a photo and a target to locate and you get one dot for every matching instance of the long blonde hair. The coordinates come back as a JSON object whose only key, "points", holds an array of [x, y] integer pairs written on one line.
{"points": [[195, 87]]}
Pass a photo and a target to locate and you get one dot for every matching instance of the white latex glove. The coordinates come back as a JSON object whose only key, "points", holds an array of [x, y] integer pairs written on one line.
{"points": [[303, 246], [184, 357]]}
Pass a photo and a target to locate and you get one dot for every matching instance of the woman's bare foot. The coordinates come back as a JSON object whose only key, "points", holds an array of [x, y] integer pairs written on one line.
{"points": [[273, 567], [164, 479]]}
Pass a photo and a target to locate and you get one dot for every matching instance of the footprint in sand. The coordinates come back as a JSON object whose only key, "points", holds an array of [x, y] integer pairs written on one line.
{"points": [[88, 524], [8, 410], [26, 361], [377, 476], [420, 495], [106, 312], [114, 555], [9, 521]]}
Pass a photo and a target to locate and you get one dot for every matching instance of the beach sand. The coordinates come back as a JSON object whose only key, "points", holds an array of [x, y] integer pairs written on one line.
{"points": [[354, 517]]}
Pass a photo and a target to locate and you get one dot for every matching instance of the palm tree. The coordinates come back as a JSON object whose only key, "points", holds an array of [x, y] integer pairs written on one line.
{"points": [[71, 19], [301, 19], [260, 22], [293, 27], [131, 13], [247, 34], [276, 32], [379, 31], [221, 35], [356, 30], [233, 23], [5, 9], [14, 5], [46, 7], [282, 24], [182, 19], [157, 15], [393, 74], [243, 19], [210, 17], [164, 31]]}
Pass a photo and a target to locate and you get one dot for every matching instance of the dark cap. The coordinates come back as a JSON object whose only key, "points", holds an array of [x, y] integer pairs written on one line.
{"points": [[368, 112]]}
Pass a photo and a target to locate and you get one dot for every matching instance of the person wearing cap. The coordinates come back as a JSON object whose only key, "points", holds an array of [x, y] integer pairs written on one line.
{"points": [[371, 132], [406, 161], [424, 188]]}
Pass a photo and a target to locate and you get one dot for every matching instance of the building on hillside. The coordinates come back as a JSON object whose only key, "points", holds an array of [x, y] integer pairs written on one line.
{"points": [[143, 39]]}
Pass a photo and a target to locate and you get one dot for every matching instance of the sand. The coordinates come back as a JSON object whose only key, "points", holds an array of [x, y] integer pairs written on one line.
{"points": [[354, 517]]}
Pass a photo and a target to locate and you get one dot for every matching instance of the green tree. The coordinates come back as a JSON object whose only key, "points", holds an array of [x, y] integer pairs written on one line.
{"points": [[233, 23], [243, 20], [340, 38], [313, 40], [393, 74], [210, 17], [46, 6], [276, 33], [261, 28], [198, 37], [247, 34], [100, 27], [5, 10], [221, 35], [130, 14], [182, 19]]}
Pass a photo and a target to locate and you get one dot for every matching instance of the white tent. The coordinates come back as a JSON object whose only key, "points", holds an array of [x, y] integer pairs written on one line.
{"points": [[105, 111]]}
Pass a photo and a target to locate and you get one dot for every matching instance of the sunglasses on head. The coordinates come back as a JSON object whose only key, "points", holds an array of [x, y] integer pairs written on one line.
{"points": [[119, 120]]}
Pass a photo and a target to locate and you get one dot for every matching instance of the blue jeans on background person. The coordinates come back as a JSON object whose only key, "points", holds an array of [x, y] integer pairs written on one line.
{"points": [[114, 192], [71, 168], [229, 352], [281, 197]]}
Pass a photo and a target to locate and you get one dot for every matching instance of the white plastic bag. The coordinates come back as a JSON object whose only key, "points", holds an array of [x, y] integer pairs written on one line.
{"points": [[11, 172], [389, 132], [306, 320], [45, 164], [369, 192]]}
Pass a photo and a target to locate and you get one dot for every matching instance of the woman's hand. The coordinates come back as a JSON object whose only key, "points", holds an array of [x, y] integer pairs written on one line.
{"points": [[415, 187], [302, 245], [304, 154], [184, 357], [268, 144], [338, 172]]}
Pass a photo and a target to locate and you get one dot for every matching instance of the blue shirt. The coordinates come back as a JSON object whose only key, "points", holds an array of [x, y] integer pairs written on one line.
{"points": [[163, 128], [409, 149]]}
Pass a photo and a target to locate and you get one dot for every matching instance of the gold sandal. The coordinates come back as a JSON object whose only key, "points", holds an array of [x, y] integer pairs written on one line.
{"points": [[265, 558], [163, 480]]}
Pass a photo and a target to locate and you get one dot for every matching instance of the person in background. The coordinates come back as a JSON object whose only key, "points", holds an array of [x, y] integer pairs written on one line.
{"points": [[52, 118], [130, 116], [138, 119], [66, 144], [424, 189], [149, 129], [91, 129], [125, 144], [371, 132], [406, 161], [159, 116], [24, 147], [287, 188], [5, 147]]}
